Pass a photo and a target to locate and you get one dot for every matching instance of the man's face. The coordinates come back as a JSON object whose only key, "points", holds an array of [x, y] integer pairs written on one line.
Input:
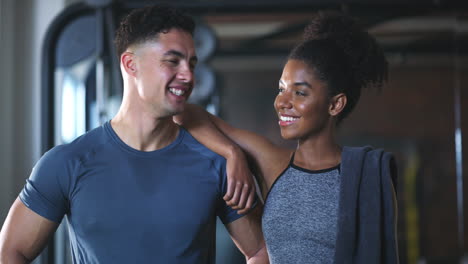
{"points": [[165, 72]]}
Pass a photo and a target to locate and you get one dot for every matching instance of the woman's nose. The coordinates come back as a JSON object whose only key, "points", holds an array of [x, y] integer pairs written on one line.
{"points": [[283, 100]]}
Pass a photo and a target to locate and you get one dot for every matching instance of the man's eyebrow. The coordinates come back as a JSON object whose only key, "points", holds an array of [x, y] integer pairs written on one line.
{"points": [[179, 54], [174, 53]]}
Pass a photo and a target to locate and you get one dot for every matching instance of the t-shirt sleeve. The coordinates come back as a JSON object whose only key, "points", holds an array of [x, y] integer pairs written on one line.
{"points": [[46, 189], [224, 211]]}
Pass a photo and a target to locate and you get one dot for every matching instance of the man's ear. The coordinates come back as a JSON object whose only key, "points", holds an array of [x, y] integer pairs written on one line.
{"points": [[127, 60], [337, 104]]}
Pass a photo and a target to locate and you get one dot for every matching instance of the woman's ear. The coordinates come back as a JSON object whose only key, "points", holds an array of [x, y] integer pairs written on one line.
{"points": [[337, 104], [127, 60]]}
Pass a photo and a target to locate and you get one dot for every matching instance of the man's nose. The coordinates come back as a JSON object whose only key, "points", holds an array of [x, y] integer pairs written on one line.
{"points": [[186, 74]]}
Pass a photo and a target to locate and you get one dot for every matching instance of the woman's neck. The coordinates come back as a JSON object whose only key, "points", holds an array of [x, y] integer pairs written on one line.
{"points": [[317, 154]]}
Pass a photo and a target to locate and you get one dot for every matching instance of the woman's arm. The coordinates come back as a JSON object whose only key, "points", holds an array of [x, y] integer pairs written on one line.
{"points": [[240, 193], [266, 159]]}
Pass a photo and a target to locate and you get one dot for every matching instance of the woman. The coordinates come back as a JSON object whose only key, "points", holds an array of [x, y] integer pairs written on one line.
{"points": [[323, 203]]}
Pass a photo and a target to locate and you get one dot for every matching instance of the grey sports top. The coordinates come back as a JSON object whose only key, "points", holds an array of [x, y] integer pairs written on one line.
{"points": [[300, 216]]}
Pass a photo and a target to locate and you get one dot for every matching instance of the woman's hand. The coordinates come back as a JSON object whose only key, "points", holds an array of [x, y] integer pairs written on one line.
{"points": [[240, 193]]}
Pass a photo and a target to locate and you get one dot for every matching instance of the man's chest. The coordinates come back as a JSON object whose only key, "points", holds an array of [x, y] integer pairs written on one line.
{"points": [[159, 196]]}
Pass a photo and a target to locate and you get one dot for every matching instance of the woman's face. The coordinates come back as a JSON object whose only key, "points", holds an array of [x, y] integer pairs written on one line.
{"points": [[302, 102]]}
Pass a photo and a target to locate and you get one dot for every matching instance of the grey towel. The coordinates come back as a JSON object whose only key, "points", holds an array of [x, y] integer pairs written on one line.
{"points": [[366, 216]]}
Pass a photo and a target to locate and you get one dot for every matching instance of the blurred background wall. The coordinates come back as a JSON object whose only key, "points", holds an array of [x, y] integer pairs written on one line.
{"points": [[23, 24]]}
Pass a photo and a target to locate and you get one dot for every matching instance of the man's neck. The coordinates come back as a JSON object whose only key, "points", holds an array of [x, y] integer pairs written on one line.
{"points": [[145, 133]]}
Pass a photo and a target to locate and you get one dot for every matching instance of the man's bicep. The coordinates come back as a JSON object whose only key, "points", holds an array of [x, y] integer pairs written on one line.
{"points": [[246, 232], [47, 189], [25, 233]]}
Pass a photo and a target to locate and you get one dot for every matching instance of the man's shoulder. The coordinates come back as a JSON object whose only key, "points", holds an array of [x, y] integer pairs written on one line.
{"points": [[191, 143], [81, 145]]}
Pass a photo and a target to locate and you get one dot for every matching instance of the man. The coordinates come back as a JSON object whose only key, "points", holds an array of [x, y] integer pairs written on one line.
{"points": [[138, 189]]}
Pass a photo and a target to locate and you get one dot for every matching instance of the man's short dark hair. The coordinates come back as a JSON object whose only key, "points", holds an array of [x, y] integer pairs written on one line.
{"points": [[146, 23]]}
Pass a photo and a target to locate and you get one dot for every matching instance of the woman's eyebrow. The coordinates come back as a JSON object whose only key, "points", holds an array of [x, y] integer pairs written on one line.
{"points": [[306, 84]]}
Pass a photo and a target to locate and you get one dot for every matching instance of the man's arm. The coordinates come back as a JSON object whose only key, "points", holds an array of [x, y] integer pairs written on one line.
{"points": [[24, 234], [246, 232]]}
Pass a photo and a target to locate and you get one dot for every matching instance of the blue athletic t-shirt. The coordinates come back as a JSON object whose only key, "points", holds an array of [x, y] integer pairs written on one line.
{"points": [[129, 206]]}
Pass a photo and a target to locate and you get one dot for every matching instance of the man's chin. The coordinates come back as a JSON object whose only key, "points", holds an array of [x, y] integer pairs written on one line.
{"points": [[176, 110]]}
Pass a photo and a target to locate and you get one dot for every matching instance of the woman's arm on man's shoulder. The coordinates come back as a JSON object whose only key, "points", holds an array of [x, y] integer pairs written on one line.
{"points": [[232, 143]]}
